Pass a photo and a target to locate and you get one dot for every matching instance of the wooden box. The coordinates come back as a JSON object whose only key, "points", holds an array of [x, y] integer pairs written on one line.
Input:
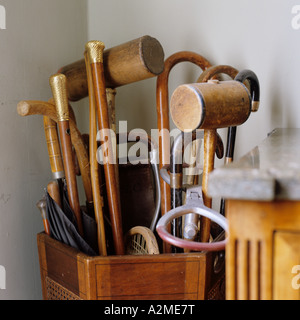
{"points": [[69, 274]]}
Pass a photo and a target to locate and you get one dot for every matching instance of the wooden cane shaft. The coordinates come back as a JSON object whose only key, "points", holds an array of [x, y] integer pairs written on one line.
{"points": [[95, 177], [132, 61], [111, 95], [210, 140], [54, 192], [53, 147], [66, 146], [97, 72]]}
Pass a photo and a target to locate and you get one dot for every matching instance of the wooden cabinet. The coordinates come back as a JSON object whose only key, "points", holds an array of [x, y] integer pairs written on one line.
{"points": [[263, 210]]}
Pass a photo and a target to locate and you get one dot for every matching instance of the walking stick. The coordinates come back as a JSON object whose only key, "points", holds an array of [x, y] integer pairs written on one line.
{"points": [[95, 177], [95, 54], [207, 75], [162, 108], [31, 107], [254, 91], [58, 87], [217, 104], [54, 192]]}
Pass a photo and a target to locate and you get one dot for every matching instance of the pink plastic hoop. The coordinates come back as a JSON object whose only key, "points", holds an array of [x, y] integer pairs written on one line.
{"points": [[161, 228]]}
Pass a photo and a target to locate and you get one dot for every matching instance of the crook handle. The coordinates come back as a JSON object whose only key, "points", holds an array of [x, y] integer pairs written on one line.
{"points": [[254, 86]]}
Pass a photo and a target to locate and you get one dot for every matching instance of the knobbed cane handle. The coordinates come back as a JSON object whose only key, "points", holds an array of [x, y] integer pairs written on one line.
{"points": [[41, 204], [94, 51], [59, 90]]}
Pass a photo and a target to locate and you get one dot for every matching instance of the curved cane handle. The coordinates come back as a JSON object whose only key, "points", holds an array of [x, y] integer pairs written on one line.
{"points": [[254, 86], [216, 70]]}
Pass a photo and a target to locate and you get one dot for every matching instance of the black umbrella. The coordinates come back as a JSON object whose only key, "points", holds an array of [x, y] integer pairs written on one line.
{"points": [[63, 226]]}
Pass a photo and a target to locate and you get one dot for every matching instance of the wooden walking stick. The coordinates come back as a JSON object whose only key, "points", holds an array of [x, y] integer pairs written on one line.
{"points": [[54, 192], [59, 90], [208, 74], [208, 106], [162, 108], [95, 177], [95, 53], [35, 107]]}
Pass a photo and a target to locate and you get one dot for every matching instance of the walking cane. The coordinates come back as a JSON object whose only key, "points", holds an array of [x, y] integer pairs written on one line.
{"points": [[162, 109], [55, 192], [254, 91], [212, 105], [31, 107], [207, 75], [58, 87], [94, 51], [95, 177]]}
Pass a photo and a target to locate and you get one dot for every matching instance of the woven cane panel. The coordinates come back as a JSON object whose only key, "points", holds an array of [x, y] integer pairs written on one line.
{"points": [[217, 292], [57, 292]]}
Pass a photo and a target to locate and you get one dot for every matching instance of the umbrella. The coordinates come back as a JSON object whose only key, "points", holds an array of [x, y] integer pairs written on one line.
{"points": [[64, 228]]}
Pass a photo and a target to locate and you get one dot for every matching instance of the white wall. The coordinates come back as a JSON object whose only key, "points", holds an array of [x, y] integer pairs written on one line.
{"points": [[40, 37], [248, 34]]}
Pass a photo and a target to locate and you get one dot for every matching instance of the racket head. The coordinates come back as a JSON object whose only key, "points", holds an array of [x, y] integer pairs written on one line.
{"points": [[140, 240]]}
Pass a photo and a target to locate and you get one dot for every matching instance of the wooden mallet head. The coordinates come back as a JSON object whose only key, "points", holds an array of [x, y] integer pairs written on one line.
{"points": [[214, 104]]}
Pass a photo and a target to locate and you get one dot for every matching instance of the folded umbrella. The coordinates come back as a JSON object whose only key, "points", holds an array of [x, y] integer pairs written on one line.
{"points": [[63, 226]]}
